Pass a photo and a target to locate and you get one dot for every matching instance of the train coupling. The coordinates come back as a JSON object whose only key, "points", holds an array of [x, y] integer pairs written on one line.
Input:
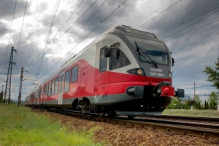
{"points": [[164, 89]]}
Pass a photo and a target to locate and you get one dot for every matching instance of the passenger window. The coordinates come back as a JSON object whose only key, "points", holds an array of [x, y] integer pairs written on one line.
{"points": [[118, 59], [56, 85], [50, 88], [67, 80], [40, 92], [47, 86], [103, 60], [74, 74], [45, 90], [53, 87]]}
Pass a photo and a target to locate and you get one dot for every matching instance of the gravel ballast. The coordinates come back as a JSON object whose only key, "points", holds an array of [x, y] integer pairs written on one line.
{"points": [[122, 135]]}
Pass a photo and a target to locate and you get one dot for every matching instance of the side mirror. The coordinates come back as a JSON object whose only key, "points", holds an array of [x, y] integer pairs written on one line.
{"points": [[117, 54], [106, 51], [173, 61]]}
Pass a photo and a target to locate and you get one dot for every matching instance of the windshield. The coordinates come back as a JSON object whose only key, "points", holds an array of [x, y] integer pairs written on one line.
{"points": [[156, 51]]}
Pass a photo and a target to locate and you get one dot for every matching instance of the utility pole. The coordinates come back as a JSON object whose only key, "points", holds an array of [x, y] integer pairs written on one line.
{"points": [[194, 90], [20, 88], [2, 88], [9, 74]]}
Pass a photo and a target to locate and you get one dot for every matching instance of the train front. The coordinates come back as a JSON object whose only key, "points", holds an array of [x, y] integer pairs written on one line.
{"points": [[155, 65]]}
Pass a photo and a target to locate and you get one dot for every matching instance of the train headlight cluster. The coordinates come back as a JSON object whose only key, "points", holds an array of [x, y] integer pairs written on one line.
{"points": [[140, 71], [137, 71]]}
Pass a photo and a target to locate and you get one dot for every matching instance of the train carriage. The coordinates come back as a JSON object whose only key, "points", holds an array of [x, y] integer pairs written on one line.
{"points": [[123, 72]]}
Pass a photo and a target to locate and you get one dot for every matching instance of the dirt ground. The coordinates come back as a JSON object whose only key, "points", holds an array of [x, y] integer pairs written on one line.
{"points": [[122, 135]]}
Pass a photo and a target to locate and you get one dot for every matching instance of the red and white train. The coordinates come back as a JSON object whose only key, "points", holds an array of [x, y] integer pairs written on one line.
{"points": [[123, 72]]}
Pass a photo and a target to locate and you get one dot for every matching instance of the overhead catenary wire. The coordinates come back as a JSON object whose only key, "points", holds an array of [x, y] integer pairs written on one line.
{"points": [[189, 19], [61, 27], [67, 30], [21, 31], [9, 37], [192, 24], [87, 34], [192, 30], [198, 87], [68, 19], [61, 49], [159, 14], [50, 30]]}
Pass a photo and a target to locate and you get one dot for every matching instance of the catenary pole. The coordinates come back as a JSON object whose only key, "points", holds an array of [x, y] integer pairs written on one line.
{"points": [[194, 90], [9, 74], [20, 88]]}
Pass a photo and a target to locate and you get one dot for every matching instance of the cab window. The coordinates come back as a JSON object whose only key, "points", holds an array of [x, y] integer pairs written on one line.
{"points": [[118, 59], [103, 60]]}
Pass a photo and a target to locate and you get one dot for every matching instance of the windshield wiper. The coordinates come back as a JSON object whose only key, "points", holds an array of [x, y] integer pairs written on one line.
{"points": [[141, 53]]}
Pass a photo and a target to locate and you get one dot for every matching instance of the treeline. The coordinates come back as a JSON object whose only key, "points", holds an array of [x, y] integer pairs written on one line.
{"points": [[196, 103], [2, 100], [1, 97]]}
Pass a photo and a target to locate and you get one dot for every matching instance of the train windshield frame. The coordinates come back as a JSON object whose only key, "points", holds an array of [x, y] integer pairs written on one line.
{"points": [[155, 50]]}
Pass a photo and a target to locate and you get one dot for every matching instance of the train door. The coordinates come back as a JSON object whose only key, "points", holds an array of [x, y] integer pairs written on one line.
{"points": [[84, 78], [61, 78], [102, 74]]}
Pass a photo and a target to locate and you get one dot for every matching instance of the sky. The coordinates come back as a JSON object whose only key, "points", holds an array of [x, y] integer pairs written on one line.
{"points": [[48, 33]]}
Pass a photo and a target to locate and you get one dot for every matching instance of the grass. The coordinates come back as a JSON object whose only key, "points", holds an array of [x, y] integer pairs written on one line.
{"points": [[188, 112], [20, 126]]}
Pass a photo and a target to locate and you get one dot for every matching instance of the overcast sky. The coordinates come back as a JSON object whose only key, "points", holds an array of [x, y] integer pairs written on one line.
{"points": [[188, 27]]}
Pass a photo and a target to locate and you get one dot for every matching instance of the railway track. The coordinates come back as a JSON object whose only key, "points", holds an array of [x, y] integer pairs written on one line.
{"points": [[188, 118], [158, 123]]}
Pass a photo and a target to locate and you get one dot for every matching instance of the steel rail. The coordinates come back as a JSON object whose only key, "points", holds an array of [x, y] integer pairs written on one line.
{"points": [[185, 128], [189, 118]]}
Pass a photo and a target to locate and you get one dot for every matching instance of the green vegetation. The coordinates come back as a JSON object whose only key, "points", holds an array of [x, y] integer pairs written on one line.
{"points": [[194, 113], [178, 104], [20, 126], [197, 103], [213, 74], [213, 99], [1, 97]]}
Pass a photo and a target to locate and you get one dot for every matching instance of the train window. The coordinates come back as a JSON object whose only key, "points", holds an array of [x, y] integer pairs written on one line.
{"points": [[74, 74], [67, 80], [47, 87], [118, 59], [40, 92], [53, 87], [50, 84], [103, 60], [48, 93], [56, 85], [44, 89]]}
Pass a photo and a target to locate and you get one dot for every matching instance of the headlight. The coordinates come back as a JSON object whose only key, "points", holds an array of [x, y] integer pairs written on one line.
{"points": [[140, 71], [137, 71]]}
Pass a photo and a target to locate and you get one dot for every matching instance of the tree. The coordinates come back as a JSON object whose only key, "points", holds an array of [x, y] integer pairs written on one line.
{"points": [[213, 74], [197, 102], [213, 99], [197, 98], [1, 97]]}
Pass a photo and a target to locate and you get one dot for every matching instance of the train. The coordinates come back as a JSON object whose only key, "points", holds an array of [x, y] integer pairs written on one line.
{"points": [[125, 71]]}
